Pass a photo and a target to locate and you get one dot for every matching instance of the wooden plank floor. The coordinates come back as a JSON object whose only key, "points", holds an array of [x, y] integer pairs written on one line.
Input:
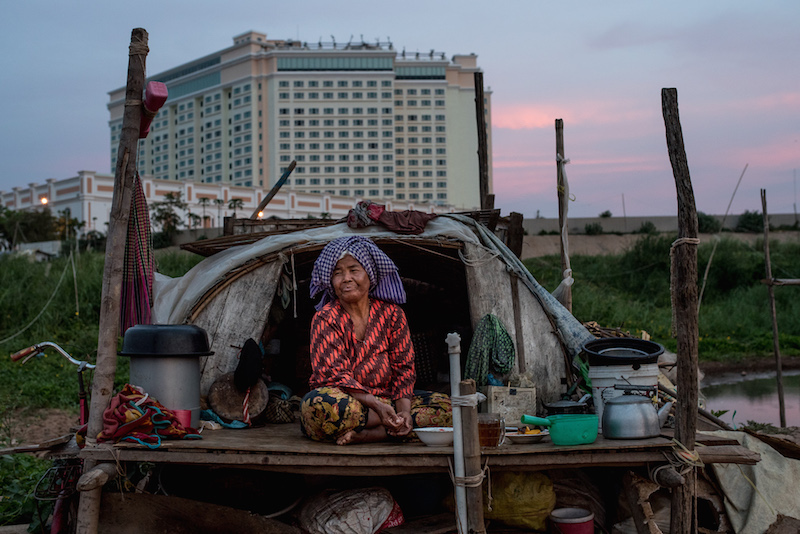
{"points": [[283, 448]]}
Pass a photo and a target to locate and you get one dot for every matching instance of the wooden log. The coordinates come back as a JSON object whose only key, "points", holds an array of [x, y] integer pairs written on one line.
{"points": [[472, 459], [563, 224], [684, 299], [668, 478], [103, 384], [97, 477], [773, 312], [483, 150], [637, 492]]}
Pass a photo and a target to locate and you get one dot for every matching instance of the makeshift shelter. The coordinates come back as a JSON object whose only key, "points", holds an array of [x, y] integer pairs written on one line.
{"points": [[455, 272]]}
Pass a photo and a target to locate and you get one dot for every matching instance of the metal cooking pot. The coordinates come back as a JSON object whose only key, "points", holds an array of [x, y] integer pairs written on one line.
{"points": [[633, 416], [567, 406]]}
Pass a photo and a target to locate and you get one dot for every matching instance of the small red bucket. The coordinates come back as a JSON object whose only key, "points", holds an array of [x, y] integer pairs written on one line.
{"points": [[571, 521]]}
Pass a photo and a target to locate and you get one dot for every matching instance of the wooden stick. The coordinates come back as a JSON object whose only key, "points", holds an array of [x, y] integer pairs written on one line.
{"points": [[103, 384], [684, 293], [483, 151], [472, 459], [563, 224], [771, 290], [274, 190]]}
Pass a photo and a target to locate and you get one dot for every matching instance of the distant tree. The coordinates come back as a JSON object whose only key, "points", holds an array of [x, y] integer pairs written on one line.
{"points": [[219, 202], [324, 215], [165, 215], [593, 229], [752, 222], [234, 204], [708, 224], [606, 214], [26, 226], [204, 201], [194, 219]]}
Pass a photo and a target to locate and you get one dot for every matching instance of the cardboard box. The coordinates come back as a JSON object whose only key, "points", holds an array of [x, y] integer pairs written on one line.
{"points": [[509, 401]]}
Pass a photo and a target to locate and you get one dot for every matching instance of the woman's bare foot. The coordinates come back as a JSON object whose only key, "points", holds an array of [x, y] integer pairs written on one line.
{"points": [[368, 435]]}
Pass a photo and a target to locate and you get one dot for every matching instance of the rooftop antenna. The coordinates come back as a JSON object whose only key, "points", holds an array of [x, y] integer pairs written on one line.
{"points": [[431, 53]]}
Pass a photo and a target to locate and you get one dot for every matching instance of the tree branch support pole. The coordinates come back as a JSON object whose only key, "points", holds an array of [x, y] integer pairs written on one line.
{"points": [[771, 289], [483, 150], [103, 384], [563, 224], [684, 302], [472, 460]]}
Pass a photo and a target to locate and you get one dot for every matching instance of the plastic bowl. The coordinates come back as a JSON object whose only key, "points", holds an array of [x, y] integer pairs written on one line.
{"points": [[165, 340], [435, 436]]}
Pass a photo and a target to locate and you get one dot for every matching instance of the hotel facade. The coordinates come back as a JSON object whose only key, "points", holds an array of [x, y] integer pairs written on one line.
{"points": [[362, 120]]}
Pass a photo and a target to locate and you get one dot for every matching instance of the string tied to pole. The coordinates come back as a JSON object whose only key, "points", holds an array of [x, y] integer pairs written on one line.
{"points": [[474, 481], [468, 400]]}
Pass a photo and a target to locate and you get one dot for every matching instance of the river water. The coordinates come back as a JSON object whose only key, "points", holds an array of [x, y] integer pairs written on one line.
{"points": [[753, 397]]}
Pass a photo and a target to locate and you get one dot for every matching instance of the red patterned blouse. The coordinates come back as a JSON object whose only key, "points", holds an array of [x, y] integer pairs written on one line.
{"points": [[382, 364]]}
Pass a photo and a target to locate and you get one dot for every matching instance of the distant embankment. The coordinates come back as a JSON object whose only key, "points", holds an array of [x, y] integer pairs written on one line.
{"points": [[597, 245]]}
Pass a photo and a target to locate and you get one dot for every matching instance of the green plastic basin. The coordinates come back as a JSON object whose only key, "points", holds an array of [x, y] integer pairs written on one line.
{"points": [[567, 429]]}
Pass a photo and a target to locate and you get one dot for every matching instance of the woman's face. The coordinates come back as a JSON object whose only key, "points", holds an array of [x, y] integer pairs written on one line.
{"points": [[350, 281]]}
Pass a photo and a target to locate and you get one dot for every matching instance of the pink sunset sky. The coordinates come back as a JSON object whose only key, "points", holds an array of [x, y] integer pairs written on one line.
{"points": [[599, 66]]}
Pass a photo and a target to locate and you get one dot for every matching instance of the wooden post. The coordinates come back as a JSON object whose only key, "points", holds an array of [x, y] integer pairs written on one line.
{"points": [[472, 460], [771, 289], [515, 233], [274, 190], [102, 386], [483, 151], [684, 301], [563, 224]]}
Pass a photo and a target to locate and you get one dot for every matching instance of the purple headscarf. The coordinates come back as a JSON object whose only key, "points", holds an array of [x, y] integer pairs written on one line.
{"points": [[384, 281]]}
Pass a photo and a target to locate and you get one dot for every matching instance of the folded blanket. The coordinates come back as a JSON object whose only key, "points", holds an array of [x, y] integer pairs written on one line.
{"points": [[134, 416]]}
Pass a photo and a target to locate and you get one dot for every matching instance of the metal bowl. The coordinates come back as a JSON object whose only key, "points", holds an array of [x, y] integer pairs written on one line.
{"points": [[522, 439], [165, 340]]}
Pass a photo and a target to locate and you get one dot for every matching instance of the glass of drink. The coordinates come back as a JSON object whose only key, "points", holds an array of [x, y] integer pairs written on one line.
{"points": [[491, 429]]}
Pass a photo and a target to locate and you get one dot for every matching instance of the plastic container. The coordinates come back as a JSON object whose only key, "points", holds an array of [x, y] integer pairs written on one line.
{"points": [[165, 362], [623, 361], [571, 521], [567, 429]]}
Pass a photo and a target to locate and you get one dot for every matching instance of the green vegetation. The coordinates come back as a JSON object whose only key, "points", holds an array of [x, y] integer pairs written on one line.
{"points": [[59, 307], [631, 291]]}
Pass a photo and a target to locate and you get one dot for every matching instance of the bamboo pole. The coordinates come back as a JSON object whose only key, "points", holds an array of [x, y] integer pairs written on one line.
{"points": [[684, 302], [274, 190], [771, 290], [483, 158], [563, 224], [472, 460], [103, 384]]}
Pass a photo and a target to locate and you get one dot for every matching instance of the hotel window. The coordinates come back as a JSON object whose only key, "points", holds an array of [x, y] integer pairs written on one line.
{"points": [[359, 192], [439, 92], [327, 96], [372, 83], [298, 83], [441, 184], [372, 95], [313, 83], [357, 83], [343, 96], [358, 181], [344, 181], [330, 181], [386, 94], [344, 111], [357, 95], [328, 111], [327, 83], [313, 96], [386, 83], [401, 196], [374, 192]]}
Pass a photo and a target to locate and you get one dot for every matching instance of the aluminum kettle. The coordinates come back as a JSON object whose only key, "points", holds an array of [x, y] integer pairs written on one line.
{"points": [[633, 416]]}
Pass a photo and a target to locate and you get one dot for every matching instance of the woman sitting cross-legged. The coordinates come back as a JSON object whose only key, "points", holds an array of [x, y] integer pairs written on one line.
{"points": [[362, 358]]}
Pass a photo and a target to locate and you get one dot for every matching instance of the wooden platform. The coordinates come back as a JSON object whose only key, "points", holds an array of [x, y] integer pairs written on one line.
{"points": [[283, 448]]}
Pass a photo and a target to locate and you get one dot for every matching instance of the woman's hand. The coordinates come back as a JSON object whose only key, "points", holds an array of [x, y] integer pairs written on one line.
{"points": [[404, 421]]}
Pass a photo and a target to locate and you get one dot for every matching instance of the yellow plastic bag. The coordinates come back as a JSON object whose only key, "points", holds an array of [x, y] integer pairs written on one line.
{"points": [[520, 499]]}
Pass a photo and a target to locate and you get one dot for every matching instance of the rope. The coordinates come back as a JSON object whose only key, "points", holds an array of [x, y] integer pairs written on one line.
{"points": [[473, 481], [487, 257], [491, 348], [246, 407], [9, 338], [689, 459], [673, 275]]}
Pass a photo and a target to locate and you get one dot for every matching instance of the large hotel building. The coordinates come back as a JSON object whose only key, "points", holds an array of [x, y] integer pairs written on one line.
{"points": [[362, 120]]}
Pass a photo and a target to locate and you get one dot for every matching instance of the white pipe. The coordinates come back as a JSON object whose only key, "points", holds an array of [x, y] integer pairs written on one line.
{"points": [[454, 350]]}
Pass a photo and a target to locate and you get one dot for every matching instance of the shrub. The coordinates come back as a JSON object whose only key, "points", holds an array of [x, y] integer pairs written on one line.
{"points": [[647, 228], [593, 229], [708, 224], [750, 221], [606, 214]]}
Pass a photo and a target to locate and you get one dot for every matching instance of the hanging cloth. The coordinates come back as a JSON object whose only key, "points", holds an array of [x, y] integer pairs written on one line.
{"points": [[139, 266], [491, 349]]}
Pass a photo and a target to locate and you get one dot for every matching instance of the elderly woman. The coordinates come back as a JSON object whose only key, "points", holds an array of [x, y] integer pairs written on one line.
{"points": [[361, 353]]}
